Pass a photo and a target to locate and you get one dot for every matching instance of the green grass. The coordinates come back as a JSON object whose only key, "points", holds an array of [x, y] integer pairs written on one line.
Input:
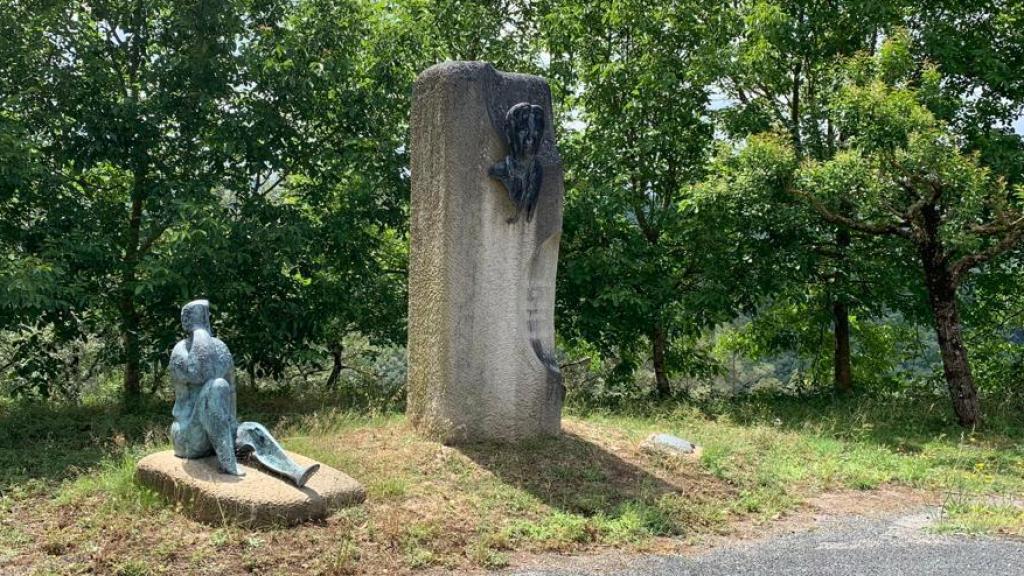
{"points": [[779, 451], [114, 479], [12, 540], [435, 506], [980, 518]]}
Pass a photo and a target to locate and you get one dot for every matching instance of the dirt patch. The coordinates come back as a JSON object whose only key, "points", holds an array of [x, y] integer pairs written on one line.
{"points": [[884, 501]]}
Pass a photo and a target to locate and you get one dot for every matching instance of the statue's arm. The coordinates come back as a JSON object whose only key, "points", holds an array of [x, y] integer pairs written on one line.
{"points": [[178, 365], [187, 358]]}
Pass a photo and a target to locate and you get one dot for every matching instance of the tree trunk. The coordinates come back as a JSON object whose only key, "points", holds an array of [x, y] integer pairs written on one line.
{"points": [[942, 298], [250, 370], [130, 318], [132, 350], [954, 354], [336, 368], [158, 376], [658, 345], [794, 111], [132, 386], [843, 369], [841, 320]]}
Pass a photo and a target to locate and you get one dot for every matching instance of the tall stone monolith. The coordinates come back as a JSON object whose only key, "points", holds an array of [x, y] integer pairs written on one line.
{"points": [[486, 220]]}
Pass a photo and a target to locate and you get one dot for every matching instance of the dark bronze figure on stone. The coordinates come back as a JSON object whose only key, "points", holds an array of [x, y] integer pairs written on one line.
{"points": [[520, 171]]}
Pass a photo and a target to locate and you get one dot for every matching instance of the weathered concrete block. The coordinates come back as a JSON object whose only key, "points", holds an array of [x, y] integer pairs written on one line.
{"points": [[257, 499], [487, 198]]}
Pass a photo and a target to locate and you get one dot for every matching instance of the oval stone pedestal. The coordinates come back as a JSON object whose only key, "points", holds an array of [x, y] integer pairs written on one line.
{"points": [[256, 499]]}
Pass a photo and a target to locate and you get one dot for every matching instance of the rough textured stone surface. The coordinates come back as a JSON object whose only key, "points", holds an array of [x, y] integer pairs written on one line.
{"points": [[256, 499], [667, 444], [482, 361]]}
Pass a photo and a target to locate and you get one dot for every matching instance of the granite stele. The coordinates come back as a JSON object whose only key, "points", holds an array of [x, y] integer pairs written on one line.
{"points": [[486, 220], [207, 471]]}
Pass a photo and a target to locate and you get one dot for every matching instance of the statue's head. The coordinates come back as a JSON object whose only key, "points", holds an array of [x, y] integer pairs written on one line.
{"points": [[195, 314], [524, 128]]}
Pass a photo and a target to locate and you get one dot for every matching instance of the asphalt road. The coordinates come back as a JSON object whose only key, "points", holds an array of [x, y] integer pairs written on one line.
{"points": [[898, 546]]}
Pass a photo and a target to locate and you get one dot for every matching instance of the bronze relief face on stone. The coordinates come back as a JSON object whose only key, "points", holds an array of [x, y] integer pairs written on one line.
{"points": [[520, 171]]}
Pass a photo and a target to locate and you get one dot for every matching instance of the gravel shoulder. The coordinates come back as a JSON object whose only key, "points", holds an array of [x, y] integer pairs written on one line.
{"points": [[878, 544]]}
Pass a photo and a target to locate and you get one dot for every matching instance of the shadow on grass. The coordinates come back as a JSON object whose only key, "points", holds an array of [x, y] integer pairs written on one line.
{"points": [[570, 474], [50, 442], [902, 423]]}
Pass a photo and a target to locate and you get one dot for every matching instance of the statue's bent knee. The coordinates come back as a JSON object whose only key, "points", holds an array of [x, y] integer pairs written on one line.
{"points": [[218, 387], [216, 400]]}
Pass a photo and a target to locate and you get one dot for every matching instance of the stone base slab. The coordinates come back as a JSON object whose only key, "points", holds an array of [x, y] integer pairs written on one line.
{"points": [[256, 499]]}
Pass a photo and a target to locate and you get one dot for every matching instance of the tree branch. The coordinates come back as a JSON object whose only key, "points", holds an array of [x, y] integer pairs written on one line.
{"points": [[148, 242], [14, 359], [838, 219], [575, 363], [1012, 237], [268, 189], [740, 94], [907, 183], [1000, 226], [365, 373], [779, 114]]}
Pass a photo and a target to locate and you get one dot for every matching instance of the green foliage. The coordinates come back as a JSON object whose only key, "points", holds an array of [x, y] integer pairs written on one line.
{"points": [[839, 103], [636, 248], [257, 154], [976, 46], [901, 173], [781, 73], [113, 480], [251, 153]]}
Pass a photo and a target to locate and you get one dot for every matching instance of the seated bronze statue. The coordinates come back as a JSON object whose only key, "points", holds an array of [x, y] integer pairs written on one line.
{"points": [[205, 420]]}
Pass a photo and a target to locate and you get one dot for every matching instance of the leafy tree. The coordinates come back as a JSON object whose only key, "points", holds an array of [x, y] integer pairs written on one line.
{"points": [[780, 74], [363, 203], [335, 174], [902, 173], [978, 47], [125, 104], [636, 268], [251, 152], [186, 149], [786, 260]]}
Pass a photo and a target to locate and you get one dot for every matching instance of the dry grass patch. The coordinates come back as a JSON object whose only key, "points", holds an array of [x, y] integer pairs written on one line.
{"points": [[432, 507], [429, 506]]}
